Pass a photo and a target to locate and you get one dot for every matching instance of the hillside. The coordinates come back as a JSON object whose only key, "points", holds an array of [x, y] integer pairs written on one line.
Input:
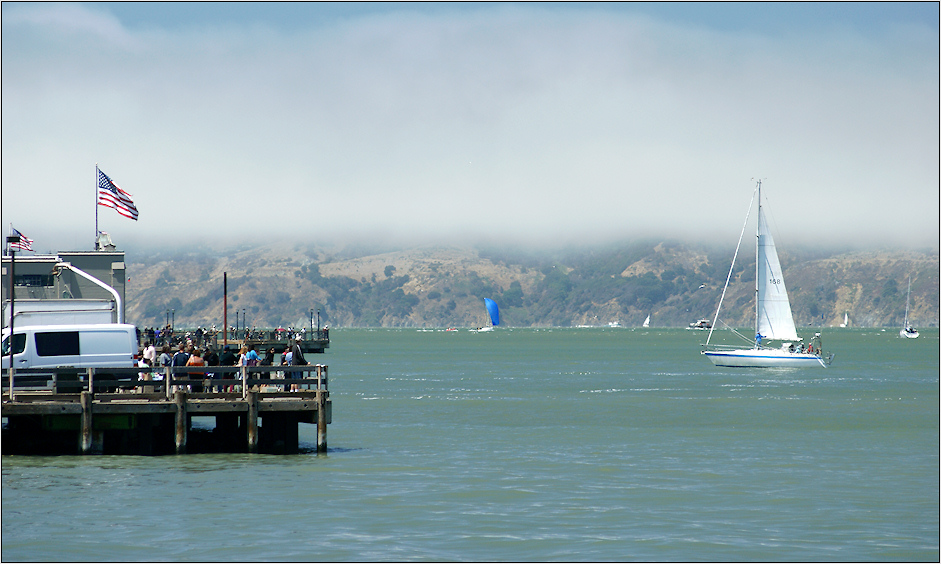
{"points": [[444, 286]]}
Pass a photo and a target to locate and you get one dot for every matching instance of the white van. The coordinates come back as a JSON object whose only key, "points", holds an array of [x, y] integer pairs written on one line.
{"points": [[105, 345]]}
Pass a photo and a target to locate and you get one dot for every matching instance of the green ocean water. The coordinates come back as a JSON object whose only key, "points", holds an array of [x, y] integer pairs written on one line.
{"points": [[534, 445]]}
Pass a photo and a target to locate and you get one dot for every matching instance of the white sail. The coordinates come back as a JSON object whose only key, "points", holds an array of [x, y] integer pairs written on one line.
{"points": [[907, 330], [647, 322], [774, 310]]}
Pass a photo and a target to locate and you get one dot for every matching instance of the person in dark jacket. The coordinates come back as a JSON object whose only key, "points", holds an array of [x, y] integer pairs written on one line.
{"points": [[297, 358], [269, 358], [180, 359]]}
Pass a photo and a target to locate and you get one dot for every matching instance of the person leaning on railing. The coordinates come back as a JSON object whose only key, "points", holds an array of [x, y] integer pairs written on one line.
{"points": [[297, 359], [196, 359]]}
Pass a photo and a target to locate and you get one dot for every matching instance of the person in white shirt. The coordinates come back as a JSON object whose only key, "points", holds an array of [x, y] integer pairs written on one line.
{"points": [[150, 354]]}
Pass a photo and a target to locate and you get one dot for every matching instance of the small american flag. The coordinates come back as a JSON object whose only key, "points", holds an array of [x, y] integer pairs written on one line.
{"points": [[109, 195], [25, 244]]}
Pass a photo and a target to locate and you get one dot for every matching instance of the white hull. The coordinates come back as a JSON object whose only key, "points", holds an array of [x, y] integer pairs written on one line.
{"points": [[907, 335], [764, 358]]}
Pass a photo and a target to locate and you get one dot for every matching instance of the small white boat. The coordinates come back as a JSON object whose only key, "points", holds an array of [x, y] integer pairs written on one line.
{"points": [[846, 320], [773, 318], [702, 325], [647, 322], [908, 331]]}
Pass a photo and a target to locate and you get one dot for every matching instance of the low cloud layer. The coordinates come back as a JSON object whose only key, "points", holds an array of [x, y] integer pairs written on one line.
{"points": [[525, 123]]}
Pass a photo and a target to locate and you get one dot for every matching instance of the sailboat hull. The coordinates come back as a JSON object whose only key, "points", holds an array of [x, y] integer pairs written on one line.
{"points": [[908, 334], [764, 358]]}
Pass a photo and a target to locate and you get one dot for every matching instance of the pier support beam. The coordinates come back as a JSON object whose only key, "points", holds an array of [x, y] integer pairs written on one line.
{"points": [[252, 424], [179, 398]]}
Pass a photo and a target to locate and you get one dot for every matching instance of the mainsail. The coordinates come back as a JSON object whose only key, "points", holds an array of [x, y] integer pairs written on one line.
{"points": [[774, 310]]}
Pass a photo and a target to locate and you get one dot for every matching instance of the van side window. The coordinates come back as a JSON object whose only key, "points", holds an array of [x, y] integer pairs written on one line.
{"points": [[58, 343], [19, 344]]}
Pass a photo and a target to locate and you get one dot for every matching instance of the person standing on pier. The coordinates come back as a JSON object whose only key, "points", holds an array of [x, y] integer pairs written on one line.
{"points": [[269, 358], [196, 359], [286, 360], [150, 354], [179, 359], [165, 358], [297, 359], [181, 356], [212, 359], [228, 358]]}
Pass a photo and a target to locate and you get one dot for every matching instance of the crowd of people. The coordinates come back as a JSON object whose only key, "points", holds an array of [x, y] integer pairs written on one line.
{"points": [[209, 337], [165, 336], [190, 353]]}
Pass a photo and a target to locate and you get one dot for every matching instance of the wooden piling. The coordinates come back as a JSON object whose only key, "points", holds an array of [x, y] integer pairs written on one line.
{"points": [[179, 399], [321, 421], [86, 436], [252, 423]]}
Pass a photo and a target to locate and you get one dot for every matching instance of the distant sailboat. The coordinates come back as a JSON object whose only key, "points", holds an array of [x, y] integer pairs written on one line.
{"points": [[647, 322], [846, 320], [493, 311], [773, 318], [908, 331]]}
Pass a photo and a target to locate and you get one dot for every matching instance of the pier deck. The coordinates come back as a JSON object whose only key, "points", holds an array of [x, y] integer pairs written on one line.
{"points": [[92, 412]]}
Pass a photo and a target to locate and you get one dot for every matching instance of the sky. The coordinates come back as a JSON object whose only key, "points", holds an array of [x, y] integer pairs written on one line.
{"points": [[523, 123]]}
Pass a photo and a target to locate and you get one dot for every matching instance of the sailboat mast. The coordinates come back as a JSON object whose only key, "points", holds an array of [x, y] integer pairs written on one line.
{"points": [[907, 299], [757, 262]]}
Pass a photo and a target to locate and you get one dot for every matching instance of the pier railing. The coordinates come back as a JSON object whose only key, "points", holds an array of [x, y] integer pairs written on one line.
{"points": [[198, 381]]}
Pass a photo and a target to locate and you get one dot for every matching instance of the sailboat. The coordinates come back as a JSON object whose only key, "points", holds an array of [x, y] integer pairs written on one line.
{"points": [[908, 331], [647, 322], [493, 311], [773, 318], [846, 320]]}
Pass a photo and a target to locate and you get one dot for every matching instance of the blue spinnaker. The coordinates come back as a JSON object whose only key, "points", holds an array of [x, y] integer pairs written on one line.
{"points": [[493, 310]]}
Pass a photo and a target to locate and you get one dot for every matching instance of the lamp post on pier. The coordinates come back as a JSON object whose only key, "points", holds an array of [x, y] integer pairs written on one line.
{"points": [[311, 320]]}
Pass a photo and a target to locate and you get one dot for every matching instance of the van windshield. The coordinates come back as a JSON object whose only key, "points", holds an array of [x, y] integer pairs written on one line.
{"points": [[19, 344]]}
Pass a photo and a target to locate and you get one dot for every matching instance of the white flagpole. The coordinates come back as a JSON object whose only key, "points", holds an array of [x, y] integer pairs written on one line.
{"points": [[96, 206]]}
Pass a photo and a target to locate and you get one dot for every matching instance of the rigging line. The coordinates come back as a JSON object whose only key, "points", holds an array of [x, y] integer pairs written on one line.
{"points": [[729, 277], [734, 330]]}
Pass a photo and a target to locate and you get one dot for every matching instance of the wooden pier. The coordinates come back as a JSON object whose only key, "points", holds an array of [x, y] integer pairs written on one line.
{"points": [[150, 411]]}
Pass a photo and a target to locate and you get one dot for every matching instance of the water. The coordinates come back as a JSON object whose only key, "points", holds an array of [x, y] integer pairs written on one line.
{"points": [[522, 445]]}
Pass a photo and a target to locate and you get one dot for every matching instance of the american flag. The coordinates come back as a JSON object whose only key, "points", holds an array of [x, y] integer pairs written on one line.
{"points": [[25, 244], [109, 195]]}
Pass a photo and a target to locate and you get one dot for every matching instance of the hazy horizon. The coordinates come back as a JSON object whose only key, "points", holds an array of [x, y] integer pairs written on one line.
{"points": [[528, 124]]}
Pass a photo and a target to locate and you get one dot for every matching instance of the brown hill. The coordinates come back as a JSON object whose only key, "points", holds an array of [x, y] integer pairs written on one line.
{"points": [[443, 286]]}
